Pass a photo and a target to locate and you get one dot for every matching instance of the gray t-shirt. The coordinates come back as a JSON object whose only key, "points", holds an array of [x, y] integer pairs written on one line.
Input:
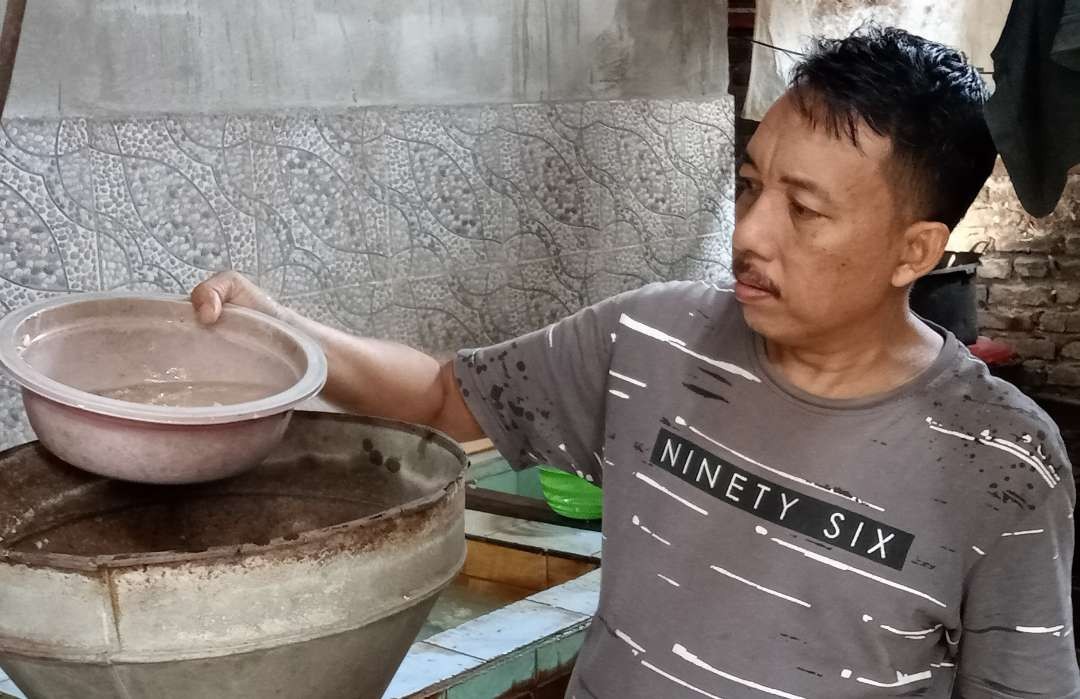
{"points": [[763, 542]]}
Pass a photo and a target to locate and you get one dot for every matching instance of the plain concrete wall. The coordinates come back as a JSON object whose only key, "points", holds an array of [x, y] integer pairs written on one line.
{"points": [[123, 57]]}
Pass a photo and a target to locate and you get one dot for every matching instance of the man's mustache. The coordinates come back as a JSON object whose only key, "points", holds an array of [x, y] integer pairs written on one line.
{"points": [[745, 273]]}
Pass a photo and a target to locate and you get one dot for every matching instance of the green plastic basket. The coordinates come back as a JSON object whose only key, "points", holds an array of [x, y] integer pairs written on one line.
{"points": [[570, 495]]}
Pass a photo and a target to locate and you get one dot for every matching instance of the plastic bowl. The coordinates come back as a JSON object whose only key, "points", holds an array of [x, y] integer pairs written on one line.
{"points": [[569, 495], [134, 387]]}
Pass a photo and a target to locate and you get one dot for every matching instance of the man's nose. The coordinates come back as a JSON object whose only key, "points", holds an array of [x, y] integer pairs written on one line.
{"points": [[756, 224]]}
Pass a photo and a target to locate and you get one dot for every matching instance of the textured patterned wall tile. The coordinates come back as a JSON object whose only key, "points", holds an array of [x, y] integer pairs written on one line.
{"points": [[58, 154], [483, 291], [168, 201], [539, 293], [179, 201], [365, 309], [688, 257], [122, 262], [441, 227], [14, 427], [444, 204], [447, 318], [41, 252], [315, 200], [430, 313], [675, 258], [531, 239], [319, 306], [214, 153]]}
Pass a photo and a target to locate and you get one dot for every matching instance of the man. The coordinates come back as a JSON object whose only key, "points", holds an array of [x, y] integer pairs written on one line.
{"points": [[809, 491]]}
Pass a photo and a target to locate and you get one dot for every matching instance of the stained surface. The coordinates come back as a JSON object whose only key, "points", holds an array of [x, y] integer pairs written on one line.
{"points": [[329, 470], [204, 56]]}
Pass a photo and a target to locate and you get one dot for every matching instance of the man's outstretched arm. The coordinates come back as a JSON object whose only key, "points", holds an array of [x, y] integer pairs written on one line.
{"points": [[365, 376]]}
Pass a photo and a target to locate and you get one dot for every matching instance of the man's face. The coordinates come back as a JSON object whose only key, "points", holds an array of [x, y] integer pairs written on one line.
{"points": [[817, 236]]}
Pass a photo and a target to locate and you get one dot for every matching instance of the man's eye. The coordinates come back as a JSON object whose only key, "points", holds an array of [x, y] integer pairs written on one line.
{"points": [[800, 211], [745, 184]]}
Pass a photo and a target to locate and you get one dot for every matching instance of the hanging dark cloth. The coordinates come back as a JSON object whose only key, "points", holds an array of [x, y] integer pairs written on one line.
{"points": [[1034, 114]]}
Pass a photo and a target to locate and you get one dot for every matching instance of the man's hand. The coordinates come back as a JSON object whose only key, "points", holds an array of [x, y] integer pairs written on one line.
{"points": [[230, 287]]}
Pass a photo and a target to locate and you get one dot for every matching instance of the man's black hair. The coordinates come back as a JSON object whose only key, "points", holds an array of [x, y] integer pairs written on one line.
{"points": [[925, 97]]}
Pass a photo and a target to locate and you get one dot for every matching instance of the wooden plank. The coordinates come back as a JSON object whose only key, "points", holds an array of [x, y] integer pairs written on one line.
{"points": [[532, 509], [506, 565], [741, 18], [477, 446], [561, 570], [9, 45]]}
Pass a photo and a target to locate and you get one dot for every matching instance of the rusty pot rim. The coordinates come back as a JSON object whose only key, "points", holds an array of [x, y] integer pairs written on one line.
{"points": [[77, 563]]}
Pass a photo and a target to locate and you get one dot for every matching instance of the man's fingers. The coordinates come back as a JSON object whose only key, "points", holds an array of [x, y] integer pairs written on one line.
{"points": [[208, 299]]}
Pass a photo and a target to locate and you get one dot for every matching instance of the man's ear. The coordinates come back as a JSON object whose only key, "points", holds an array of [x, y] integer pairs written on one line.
{"points": [[922, 247]]}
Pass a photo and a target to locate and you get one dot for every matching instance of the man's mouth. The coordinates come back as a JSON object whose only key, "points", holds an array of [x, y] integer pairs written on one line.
{"points": [[751, 286]]}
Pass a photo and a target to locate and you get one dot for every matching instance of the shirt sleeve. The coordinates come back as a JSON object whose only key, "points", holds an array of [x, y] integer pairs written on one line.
{"points": [[1018, 638], [541, 397]]}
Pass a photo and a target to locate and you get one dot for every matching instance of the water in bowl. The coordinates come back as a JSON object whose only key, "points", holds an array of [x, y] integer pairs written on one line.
{"points": [[190, 394]]}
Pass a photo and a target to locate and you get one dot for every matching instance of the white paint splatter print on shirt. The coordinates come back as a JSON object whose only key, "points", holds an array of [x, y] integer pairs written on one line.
{"points": [[1035, 460], [901, 679], [774, 593], [753, 533]]}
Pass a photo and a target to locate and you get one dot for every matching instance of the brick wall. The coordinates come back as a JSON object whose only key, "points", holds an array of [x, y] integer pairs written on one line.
{"points": [[1029, 291]]}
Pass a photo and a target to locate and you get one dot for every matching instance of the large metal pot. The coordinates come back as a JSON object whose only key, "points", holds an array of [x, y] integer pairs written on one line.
{"points": [[946, 295], [308, 576], [134, 387]]}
